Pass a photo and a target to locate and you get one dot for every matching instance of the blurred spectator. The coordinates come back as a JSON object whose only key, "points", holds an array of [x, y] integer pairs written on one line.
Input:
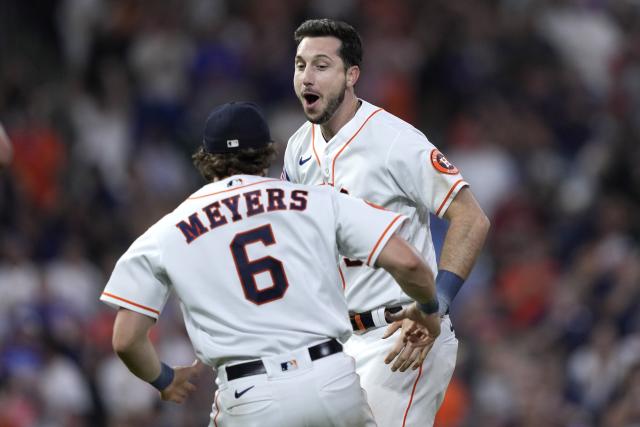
{"points": [[125, 397], [587, 38], [19, 280], [73, 281], [39, 155], [6, 150], [102, 126], [160, 57]]}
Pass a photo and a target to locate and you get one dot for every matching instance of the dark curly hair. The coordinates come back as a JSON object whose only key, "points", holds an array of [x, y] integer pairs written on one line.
{"points": [[351, 46], [251, 161]]}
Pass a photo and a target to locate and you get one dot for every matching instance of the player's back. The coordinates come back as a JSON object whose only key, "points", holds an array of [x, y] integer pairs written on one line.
{"points": [[253, 262]]}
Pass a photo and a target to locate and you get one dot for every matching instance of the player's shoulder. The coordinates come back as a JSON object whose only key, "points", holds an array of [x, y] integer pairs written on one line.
{"points": [[390, 126], [301, 136]]}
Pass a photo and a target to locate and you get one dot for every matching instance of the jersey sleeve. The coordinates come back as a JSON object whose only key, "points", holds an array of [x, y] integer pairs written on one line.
{"points": [[138, 282], [289, 169], [363, 229], [423, 173]]}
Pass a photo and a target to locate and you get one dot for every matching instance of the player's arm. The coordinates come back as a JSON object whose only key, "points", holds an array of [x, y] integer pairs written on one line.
{"points": [[468, 228], [411, 272], [366, 232], [6, 152], [132, 345], [408, 268]]}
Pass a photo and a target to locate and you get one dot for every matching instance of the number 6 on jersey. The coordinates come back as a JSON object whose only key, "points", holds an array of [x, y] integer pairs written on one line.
{"points": [[247, 270]]}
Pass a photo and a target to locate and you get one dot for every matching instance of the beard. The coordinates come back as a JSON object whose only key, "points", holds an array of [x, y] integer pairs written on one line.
{"points": [[332, 106]]}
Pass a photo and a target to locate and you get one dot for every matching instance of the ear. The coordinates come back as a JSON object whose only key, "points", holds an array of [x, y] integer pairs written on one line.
{"points": [[353, 73]]}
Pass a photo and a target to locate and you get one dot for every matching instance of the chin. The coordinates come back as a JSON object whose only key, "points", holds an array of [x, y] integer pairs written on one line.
{"points": [[312, 116]]}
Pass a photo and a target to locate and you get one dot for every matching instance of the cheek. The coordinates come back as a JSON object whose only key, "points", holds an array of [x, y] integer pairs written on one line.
{"points": [[334, 85]]}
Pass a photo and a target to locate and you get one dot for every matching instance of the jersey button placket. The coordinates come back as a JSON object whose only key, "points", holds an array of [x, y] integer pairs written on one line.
{"points": [[325, 170]]}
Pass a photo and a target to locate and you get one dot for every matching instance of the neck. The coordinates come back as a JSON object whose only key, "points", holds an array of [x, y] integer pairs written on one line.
{"points": [[341, 117]]}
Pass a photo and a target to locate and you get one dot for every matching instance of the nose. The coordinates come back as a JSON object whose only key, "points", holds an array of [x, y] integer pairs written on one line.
{"points": [[306, 77]]}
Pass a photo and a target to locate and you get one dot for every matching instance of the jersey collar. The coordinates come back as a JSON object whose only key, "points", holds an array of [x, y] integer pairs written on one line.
{"points": [[347, 131]]}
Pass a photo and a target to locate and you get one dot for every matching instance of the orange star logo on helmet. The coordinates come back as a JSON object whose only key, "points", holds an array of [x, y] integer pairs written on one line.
{"points": [[440, 162]]}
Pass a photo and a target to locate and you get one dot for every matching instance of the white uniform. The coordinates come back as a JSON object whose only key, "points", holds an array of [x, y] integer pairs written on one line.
{"points": [[252, 261], [384, 160]]}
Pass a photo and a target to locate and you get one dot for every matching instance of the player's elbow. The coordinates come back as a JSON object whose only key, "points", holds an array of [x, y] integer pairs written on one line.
{"points": [[482, 223], [130, 331], [411, 269], [400, 258], [410, 264], [122, 343]]}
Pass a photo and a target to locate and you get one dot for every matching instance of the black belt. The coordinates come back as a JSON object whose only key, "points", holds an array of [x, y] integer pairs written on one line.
{"points": [[364, 321], [256, 367]]}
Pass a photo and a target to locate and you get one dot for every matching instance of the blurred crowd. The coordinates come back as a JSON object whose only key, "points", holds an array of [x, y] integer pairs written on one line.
{"points": [[537, 102]]}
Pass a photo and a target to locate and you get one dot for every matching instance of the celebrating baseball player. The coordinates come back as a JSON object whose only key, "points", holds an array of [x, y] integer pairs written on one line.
{"points": [[364, 151], [253, 263]]}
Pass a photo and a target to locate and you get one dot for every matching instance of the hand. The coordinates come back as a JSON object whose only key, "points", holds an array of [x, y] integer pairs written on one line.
{"points": [[418, 333], [181, 386]]}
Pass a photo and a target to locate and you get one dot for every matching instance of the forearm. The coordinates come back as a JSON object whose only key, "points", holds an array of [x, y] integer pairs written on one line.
{"points": [[141, 359], [468, 228], [418, 283], [132, 345], [463, 243], [408, 269]]}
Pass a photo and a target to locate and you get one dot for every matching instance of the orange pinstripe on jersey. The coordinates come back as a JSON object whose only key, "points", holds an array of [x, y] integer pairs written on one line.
{"points": [[344, 284], [234, 188], [373, 205], [313, 144], [453, 187], [333, 166], [384, 233], [132, 303], [404, 421], [215, 419]]}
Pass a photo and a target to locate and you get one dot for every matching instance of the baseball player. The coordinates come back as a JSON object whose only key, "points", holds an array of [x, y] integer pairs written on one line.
{"points": [[253, 263], [362, 150]]}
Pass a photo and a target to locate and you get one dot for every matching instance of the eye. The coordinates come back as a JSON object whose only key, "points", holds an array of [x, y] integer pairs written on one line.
{"points": [[322, 66], [299, 66]]}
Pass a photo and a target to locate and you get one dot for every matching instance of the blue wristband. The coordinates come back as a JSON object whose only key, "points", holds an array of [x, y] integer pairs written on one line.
{"points": [[164, 379], [447, 286], [429, 307]]}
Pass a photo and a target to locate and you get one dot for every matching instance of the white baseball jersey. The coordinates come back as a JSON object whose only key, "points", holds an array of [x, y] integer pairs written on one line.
{"points": [[384, 160], [253, 263]]}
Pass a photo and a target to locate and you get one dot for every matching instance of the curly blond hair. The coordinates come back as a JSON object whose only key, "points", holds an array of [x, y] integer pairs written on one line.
{"points": [[250, 161]]}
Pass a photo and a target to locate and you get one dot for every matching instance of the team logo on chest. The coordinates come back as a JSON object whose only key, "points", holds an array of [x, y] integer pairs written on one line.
{"points": [[441, 164]]}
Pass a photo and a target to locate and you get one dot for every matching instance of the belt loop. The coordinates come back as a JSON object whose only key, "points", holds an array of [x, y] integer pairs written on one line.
{"points": [[378, 316]]}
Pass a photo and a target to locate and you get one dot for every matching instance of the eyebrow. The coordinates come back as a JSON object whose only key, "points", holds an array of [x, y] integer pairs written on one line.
{"points": [[316, 57]]}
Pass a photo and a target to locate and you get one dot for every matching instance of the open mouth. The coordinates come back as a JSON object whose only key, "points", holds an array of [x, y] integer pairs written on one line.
{"points": [[310, 99]]}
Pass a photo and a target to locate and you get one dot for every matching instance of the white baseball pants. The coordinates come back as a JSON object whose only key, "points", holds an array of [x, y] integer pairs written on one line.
{"points": [[403, 399], [321, 393]]}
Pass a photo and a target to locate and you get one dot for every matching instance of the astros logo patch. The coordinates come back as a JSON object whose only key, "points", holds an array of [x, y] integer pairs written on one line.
{"points": [[440, 162]]}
